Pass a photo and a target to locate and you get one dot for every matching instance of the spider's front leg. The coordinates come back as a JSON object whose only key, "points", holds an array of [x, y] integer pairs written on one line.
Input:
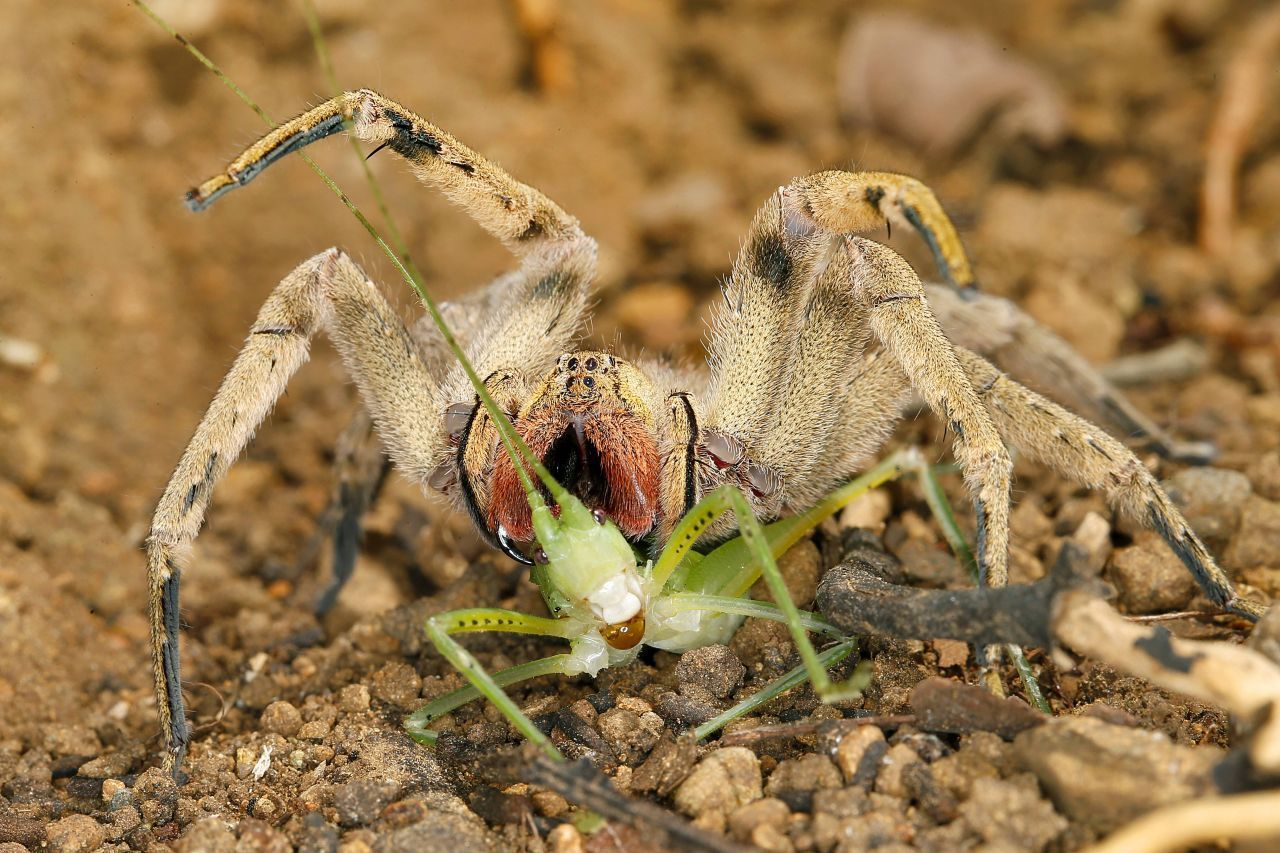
{"points": [[891, 300], [539, 308], [327, 292]]}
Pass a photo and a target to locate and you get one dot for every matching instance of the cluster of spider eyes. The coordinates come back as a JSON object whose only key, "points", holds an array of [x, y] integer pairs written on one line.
{"points": [[591, 364]]}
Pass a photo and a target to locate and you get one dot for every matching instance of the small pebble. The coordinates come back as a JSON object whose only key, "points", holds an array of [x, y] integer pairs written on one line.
{"points": [[714, 668], [353, 699], [584, 710], [71, 740], [282, 718], [869, 511], [75, 833], [805, 774], [110, 787], [858, 755], [260, 837], [1094, 537], [157, 795], [246, 760], [210, 834], [770, 811], [549, 803], [125, 821], [20, 354], [1264, 473], [397, 684], [314, 730], [889, 779], [361, 801], [724, 780], [1257, 542], [263, 808], [565, 838], [1149, 577], [1211, 499], [1011, 816]]}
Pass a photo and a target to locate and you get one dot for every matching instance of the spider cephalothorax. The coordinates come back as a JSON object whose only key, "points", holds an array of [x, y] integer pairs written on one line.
{"points": [[591, 421], [822, 341]]}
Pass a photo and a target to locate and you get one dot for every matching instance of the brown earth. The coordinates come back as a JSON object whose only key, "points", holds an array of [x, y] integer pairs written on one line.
{"points": [[662, 126]]}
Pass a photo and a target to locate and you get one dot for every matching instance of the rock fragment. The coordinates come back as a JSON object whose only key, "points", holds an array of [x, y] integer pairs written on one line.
{"points": [[1149, 577], [1012, 814], [858, 754], [721, 782], [282, 718], [75, 833], [360, 801], [1104, 776], [714, 668]]}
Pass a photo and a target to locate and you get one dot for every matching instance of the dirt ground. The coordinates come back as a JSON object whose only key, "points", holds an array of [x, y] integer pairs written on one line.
{"points": [[1073, 165]]}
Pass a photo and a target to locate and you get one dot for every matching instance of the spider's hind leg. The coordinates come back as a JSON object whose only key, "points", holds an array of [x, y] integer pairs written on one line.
{"points": [[1001, 331], [1082, 452], [360, 470]]}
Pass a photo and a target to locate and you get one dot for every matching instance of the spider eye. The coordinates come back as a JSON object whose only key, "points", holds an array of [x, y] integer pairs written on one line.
{"points": [[589, 381], [540, 557], [573, 364], [592, 364], [598, 516]]}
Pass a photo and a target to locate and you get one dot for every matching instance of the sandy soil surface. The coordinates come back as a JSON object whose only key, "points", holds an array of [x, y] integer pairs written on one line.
{"points": [[1074, 174]]}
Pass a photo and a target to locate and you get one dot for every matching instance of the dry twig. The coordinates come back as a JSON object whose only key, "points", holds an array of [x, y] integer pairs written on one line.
{"points": [[812, 727]]}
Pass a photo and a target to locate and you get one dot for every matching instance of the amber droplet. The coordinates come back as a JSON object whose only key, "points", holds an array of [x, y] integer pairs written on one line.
{"points": [[625, 635]]}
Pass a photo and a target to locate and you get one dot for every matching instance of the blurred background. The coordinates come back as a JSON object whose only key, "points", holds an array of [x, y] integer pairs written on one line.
{"points": [[1115, 166]]}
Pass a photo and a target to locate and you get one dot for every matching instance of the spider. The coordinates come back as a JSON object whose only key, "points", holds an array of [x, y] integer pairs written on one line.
{"points": [[823, 340]]}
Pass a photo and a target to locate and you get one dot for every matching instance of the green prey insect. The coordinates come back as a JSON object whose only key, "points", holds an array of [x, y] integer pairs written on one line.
{"points": [[683, 600]]}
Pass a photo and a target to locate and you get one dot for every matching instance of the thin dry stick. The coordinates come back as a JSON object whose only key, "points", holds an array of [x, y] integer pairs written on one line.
{"points": [[746, 736], [582, 783], [1247, 817], [1173, 616], [1244, 90]]}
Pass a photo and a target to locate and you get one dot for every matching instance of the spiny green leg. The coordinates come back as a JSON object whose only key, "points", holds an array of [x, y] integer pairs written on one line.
{"points": [[440, 627], [417, 722], [753, 535], [681, 601], [936, 498], [828, 658], [764, 610], [732, 568]]}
